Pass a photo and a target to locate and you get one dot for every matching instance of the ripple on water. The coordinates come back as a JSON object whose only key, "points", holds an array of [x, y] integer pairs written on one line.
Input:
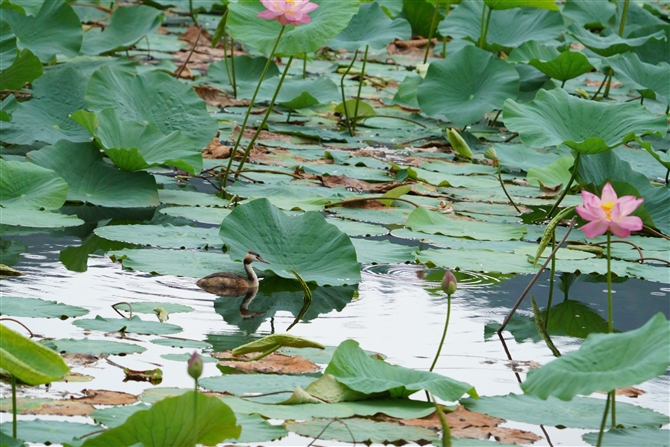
{"points": [[419, 275]]}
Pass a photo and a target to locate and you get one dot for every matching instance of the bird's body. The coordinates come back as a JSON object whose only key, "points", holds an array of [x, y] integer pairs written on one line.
{"points": [[232, 284]]}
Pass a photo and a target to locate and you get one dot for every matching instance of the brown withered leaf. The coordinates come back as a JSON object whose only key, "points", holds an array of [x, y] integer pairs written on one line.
{"points": [[183, 72], [214, 97], [629, 391], [274, 363], [81, 359], [337, 181], [592, 83], [105, 397], [191, 34], [216, 150], [54, 407], [469, 424]]}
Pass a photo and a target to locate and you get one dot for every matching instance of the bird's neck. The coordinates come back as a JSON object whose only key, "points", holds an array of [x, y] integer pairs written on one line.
{"points": [[251, 274]]}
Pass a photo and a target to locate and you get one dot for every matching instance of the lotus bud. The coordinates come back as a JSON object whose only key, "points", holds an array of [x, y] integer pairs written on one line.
{"points": [[449, 283], [458, 143], [491, 154], [195, 365]]}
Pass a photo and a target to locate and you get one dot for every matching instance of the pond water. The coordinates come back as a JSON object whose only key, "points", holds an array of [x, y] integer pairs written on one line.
{"points": [[398, 311]]}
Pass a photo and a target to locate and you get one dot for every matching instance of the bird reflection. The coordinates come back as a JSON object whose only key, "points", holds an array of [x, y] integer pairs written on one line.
{"points": [[225, 292]]}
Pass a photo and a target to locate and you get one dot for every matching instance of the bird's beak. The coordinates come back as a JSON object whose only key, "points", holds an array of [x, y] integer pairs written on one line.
{"points": [[259, 259]]}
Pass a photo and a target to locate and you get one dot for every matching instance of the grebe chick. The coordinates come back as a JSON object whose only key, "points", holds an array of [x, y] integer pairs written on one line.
{"points": [[230, 283]]}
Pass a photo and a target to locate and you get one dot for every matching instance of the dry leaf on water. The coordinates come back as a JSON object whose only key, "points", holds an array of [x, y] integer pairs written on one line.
{"points": [[274, 363]]}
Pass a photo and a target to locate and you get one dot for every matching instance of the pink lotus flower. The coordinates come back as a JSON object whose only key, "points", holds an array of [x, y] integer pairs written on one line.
{"points": [[288, 11], [609, 212]]}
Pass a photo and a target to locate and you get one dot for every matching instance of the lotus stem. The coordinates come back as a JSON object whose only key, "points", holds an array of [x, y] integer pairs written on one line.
{"points": [[593, 98], [251, 104], [193, 15], [610, 75], [444, 333], [485, 26], [232, 64], [622, 25], [265, 118], [304, 65], [430, 33], [195, 44], [575, 168], [502, 185], [551, 280], [344, 99], [14, 429], [610, 322], [602, 424], [360, 86]]}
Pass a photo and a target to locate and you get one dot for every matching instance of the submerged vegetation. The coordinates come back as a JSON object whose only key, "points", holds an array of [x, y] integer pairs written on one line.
{"points": [[176, 136]]}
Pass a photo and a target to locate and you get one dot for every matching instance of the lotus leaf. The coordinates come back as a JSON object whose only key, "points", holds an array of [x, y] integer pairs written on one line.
{"points": [[652, 81], [28, 360], [352, 367], [562, 66], [508, 4], [152, 98], [126, 27], [318, 251], [46, 117], [274, 342], [189, 419], [327, 21], [625, 437], [362, 430], [507, 28], [605, 362], [37, 308], [382, 252], [554, 175], [27, 7], [420, 13], [168, 236], [26, 67], [371, 27], [37, 219], [433, 222], [249, 384], [92, 180], [589, 127], [295, 93], [247, 69], [176, 262], [467, 85], [591, 14], [42, 431], [28, 186], [95, 347], [611, 44], [54, 30], [133, 325]]}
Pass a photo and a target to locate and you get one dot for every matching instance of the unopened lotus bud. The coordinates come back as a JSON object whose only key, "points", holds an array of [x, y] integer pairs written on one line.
{"points": [[449, 283], [195, 365], [491, 154], [458, 143]]}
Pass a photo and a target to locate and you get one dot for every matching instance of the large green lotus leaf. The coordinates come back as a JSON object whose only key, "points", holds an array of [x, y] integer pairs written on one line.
{"points": [[382, 252], [433, 222], [295, 93], [247, 70], [436, 177], [372, 27], [41, 431], [420, 13], [589, 127], [191, 198], [28, 360], [358, 228], [197, 213], [625, 437], [167, 236], [654, 51], [7, 441], [508, 4], [318, 251], [599, 168], [46, 117], [352, 367], [148, 307], [189, 419], [133, 146], [553, 175], [591, 14], [153, 97], [562, 66], [28, 186], [28, 7], [362, 430], [92, 180], [605, 362], [519, 157], [327, 21], [127, 26], [652, 81], [193, 264], [507, 28], [37, 308], [54, 30], [134, 325], [581, 412], [96, 347], [611, 44], [26, 67], [477, 260], [467, 85], [37, 219], [243, 385], [407, 91]]}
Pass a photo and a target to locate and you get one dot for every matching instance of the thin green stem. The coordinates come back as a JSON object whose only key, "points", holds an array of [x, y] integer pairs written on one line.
{"points": [[593, 98], [360, 86], [251, 104], [551, 280], [604, 421], [14, 432], [610, 322], [194, 16], [430, 33], [344, 99], [502, 185], [563, 83], [265, 118], [304, 65], [485, 26], [444, 48], [232, 63], [575, 168], [622, 25], [444, 333], [610, 75], [613, 394], [224, 40]]}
